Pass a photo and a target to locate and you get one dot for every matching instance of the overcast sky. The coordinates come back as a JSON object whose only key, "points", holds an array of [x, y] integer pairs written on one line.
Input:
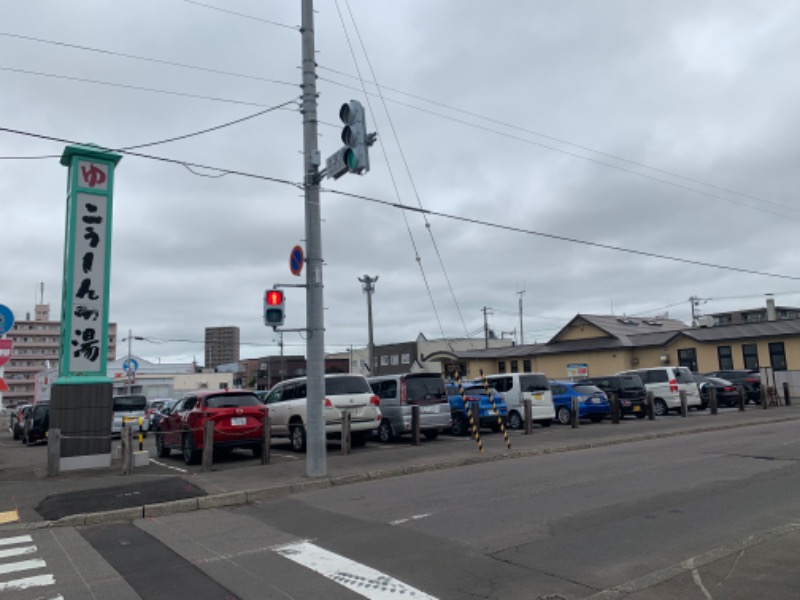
{"points": [[667, 127]]}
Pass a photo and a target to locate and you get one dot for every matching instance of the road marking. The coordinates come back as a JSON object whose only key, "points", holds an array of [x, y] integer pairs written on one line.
{"points": [[17, 551], [412, 518], [27, 582], [9, 516], [23, 565], [160, 464], [20, 539], [361, 579]]}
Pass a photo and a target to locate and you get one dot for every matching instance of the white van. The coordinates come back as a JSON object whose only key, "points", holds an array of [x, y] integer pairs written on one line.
{"points": [[518, 387], [666, 384]]}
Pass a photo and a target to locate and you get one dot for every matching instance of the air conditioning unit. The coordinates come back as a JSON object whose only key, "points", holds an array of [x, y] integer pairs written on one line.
{"points": [[664, 358], [634, 361], [705, 321]]}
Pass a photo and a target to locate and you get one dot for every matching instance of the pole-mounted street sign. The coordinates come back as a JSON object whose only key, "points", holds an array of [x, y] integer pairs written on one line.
{"points": [[296, 260], [6, 319]]}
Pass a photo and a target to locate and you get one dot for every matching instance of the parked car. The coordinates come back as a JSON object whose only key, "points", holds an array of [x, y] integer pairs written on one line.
{"points": [[399, 393], [157, 408], [749, 380], [487, 413], [36, 424], [666, 383], [727, 392], [518, 387], [592, 401], [129, 408], [18, 420], [238, 419], [287, 409], [629, 390]]}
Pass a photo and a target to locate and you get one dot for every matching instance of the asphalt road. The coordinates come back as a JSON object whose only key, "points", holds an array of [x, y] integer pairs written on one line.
{"points": [[711, 515]]}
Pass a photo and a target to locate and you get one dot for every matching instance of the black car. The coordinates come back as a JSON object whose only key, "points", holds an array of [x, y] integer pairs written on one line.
{"points": [[37, 424], [727, 392], [750, 380], [629, 389]]}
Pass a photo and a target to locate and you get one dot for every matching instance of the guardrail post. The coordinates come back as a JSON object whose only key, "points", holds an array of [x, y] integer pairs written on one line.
{"points": [[764, 396], [208, 445], [575, 410], [126, 440], [346, 434], [53, 452], [684, 406], [740, 389], [612, 396], [787, 400], [415, 433], [266, 442], [712, 400], [651, 414], [528, 416]]}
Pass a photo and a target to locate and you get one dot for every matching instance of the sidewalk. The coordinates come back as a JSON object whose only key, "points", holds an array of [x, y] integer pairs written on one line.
{"points": [[104, 495]]}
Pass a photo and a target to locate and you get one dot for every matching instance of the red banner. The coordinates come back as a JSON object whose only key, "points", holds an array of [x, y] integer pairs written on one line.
{"points": [[5, 350]]}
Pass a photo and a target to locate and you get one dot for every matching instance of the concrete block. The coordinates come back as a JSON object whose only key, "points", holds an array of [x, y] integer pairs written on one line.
{"points": [[111, 516], [271, 493], [141, 458], [168, 508], [220, 500]]}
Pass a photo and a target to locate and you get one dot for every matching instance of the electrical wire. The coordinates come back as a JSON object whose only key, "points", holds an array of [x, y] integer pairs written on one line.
{"points": [[243, 15], [405, 163], [560, 140]]}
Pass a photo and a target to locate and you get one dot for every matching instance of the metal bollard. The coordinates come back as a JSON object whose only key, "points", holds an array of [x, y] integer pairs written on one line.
{"points": [[208, 445], [614, 407], [347, 419], [741, 397], [266, 442], [528, 409], [575, 410], [684, 406], [712, 400], [126, 440], [415, 437], [53, 452], [651, 414], [141, 435], [787, 400]]}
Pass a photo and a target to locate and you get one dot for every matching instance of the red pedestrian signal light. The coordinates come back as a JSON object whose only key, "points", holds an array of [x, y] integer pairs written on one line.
{"points": [[274, 308]]}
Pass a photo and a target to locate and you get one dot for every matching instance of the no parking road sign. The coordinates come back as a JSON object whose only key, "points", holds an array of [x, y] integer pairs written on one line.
{"points": [[296, 260], [6, 319]]}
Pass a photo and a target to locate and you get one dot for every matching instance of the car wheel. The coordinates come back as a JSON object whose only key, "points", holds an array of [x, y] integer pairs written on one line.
{"points": [[257, 451], [431, 434], [460, 425], [545, 423], [596, 418], [640, 415], [660, 408], [514, 420], [161, 450], [385, 432], [297, 435], [191, 455], [564, 415], [16, 433]]}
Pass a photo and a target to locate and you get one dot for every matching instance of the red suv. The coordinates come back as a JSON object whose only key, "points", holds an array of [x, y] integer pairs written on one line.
{"points": [[238, 418]]}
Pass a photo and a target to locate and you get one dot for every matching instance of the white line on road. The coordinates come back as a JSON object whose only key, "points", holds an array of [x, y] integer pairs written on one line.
{"points": [[160, 464], [20, 539], [412, 518], [361, 579], [17, 551], [27, 582], [23, 565]]}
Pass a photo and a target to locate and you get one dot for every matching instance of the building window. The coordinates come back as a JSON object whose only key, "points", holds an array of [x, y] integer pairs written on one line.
{"points": [[688, 358], [526, 366], [750, 354], [723, 319], [777, 356], [405, 359], [384, 361], [725, 358], [514, 366], [501, 366], [395, 359]]}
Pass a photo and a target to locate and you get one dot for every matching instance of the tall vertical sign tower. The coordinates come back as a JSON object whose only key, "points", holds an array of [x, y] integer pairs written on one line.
{"points": [[81, 402]]}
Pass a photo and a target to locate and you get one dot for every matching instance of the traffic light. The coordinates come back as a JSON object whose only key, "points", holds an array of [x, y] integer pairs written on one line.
{"points": [[273, 308], [354, 136]]}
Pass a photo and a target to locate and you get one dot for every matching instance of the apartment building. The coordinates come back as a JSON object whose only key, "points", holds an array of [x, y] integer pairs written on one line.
{"points": [[222, 346]]}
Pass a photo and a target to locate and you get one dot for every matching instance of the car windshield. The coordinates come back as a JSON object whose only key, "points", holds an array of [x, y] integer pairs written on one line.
{"points": [[130, 403], [683, 375], [423, 387], [534, 383], [335, 386], [630, 381], [587, 389], [232, 400]]}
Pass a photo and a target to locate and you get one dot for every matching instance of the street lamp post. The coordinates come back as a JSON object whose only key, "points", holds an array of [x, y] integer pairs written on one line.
{"points": [[368, 285]]}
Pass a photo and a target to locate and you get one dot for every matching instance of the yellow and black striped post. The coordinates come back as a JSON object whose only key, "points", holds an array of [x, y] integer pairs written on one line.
{"points": [[496, 412], [473, 419]]}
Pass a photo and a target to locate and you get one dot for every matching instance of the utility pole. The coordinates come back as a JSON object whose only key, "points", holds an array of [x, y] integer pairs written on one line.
{"points": [[282, 364], [130, 366], [316, 459], [521, 331], [368, 285], [485, 326]]}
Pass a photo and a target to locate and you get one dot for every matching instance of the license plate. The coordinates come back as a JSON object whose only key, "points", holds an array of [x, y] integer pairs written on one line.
{"points": [[238, 420], [537, 396], [636, 408], [428, 409]]}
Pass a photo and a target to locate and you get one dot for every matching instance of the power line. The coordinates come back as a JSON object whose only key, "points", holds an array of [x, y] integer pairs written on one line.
{"points": [[243, 15], [557, 139]]}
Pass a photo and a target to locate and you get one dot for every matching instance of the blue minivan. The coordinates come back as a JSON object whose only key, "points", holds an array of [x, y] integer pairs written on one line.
{"points": [[592, 401], [487, 416]]}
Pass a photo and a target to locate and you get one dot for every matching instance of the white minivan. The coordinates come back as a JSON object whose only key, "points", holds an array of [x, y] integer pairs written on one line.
{"points": [[666, 384], [518, 387]]}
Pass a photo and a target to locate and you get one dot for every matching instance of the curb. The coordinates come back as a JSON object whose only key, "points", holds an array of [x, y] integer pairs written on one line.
{"points": [[254, 496]]}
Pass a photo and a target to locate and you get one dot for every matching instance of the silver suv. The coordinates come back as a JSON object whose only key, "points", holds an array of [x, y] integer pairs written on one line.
{"points": [[129, 409], [399, 393]]}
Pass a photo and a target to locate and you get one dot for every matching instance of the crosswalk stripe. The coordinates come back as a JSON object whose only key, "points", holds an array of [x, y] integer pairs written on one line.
{"points": [[361, 579], [27, 582], [20, 539], [17, 551], [23, 565]]}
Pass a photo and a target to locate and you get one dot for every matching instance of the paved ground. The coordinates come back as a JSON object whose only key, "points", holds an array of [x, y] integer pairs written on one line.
{"points": [[29, 499]]}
